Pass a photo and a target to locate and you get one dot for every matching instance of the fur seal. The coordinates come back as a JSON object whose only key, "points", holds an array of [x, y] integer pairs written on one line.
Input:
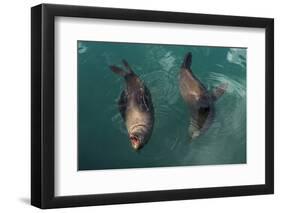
{"points": [[135, 107], [199, 100]]}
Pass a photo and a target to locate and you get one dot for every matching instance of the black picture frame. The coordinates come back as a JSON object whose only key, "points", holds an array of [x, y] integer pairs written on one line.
{"points": [[43, 113]]}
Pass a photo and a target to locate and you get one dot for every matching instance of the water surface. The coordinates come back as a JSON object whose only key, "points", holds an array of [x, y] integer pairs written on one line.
{"points": [[102, 137]]}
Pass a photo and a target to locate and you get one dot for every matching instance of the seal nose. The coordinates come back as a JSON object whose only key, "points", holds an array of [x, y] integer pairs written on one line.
{"points": [[136, 147]]}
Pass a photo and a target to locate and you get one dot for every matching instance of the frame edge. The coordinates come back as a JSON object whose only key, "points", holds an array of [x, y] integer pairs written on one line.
{"points": [[36, 155], [269, 117], [42, 128]]}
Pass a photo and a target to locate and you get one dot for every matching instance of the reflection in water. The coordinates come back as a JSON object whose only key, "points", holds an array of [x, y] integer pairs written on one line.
{"points": [[237, 56], [81, 48]]}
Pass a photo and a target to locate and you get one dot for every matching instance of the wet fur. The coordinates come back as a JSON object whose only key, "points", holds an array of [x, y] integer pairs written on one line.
{"points": [[135, 104], [199, 100]]}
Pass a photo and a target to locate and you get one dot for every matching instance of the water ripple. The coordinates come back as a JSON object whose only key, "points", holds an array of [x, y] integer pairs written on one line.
{"points": [[234, 101], [162, 81], [229, 122]]}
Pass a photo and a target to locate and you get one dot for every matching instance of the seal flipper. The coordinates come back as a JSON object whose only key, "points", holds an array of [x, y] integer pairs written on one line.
{"points": [[219, 91], [187, 61], [118, 70], [122, 104], [126, 64]]}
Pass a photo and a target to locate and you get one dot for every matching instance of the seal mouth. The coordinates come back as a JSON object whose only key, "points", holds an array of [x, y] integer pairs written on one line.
{"points": [[135, 142]]}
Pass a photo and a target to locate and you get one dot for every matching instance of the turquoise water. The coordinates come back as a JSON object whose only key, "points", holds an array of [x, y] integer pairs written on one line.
{"points": [[102, 137]]}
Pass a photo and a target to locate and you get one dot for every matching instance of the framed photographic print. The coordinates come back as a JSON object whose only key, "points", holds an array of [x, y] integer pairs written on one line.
{"points": [[140, 106]]}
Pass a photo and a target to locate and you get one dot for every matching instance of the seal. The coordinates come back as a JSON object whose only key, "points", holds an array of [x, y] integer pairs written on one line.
{"points": [[199, 100], [135, 106]]}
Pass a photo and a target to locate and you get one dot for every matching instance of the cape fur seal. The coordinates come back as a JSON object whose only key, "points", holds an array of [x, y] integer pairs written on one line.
{"points": [[135, 106], [199, 100]]}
